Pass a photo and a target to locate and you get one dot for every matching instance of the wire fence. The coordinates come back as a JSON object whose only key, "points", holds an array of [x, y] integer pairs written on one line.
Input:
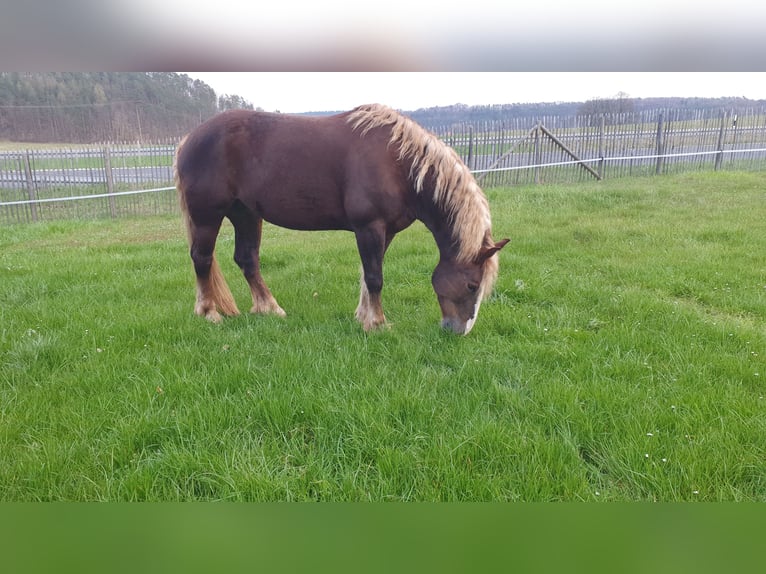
{"points": [[115, 180]]}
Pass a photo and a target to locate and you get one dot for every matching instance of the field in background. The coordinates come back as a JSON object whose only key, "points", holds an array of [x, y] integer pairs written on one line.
{"points": [[622, 357]]}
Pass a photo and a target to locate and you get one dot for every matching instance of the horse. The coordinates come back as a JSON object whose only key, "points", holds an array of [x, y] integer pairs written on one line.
{"points": [[370, 170]]}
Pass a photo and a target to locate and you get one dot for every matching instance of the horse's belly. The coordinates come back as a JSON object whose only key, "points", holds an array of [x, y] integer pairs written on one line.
{"points": [[304, 212]]}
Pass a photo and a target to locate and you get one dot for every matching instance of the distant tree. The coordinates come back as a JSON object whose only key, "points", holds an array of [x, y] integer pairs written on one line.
{"points": [[619, 104], [233, 102]]}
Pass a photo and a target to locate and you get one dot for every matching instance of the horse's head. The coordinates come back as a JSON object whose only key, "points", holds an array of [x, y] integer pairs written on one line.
{"points": [[460, 288]]}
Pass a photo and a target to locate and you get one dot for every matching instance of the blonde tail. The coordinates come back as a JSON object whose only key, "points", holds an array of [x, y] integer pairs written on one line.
{"points": [[220, 292]]}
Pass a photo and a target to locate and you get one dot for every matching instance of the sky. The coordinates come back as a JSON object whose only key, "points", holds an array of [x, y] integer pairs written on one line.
{"points": [[295, 92]]}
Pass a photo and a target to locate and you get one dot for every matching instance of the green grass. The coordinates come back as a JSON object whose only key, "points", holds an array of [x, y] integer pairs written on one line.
{"points": [[622, 357]]}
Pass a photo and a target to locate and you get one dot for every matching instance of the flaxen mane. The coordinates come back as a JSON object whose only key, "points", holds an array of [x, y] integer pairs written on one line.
{"points": [[455, 190]]}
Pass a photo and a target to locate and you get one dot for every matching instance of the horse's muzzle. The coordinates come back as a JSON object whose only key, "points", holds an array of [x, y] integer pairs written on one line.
{"points": [[457, 326]]}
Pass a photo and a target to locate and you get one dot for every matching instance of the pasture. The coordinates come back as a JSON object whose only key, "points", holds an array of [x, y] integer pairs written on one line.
{"points": [[621, 358]]}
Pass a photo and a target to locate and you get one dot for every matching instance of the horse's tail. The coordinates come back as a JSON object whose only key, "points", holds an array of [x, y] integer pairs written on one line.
{"points": [[218, 289], [177, 182], [221, 293]]}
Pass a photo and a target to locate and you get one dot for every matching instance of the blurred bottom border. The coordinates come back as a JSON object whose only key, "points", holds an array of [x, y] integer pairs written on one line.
{"points": [[203, 537]]}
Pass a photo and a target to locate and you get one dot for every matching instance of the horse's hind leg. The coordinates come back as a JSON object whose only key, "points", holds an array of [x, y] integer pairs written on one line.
{"points": [[247, 242], [212, 292]]}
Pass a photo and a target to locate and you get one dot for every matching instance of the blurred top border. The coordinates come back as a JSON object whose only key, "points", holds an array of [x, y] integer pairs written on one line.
{"points": [[484, 35]]}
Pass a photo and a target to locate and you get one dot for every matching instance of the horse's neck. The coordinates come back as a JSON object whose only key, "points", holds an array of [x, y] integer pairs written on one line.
{"points": [[439, 227]]}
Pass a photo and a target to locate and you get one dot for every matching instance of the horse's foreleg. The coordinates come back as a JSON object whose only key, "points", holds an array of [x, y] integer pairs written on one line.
{"points": [[372, 245], [369, 312], [247, 242]]}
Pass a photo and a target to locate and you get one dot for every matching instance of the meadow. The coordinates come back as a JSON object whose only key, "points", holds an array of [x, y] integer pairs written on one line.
{"points": [[622, 357]]}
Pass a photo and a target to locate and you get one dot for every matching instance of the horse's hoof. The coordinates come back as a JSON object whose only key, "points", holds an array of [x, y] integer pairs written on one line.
{"points": [[370, 326], [213, 316], [278, 311]]}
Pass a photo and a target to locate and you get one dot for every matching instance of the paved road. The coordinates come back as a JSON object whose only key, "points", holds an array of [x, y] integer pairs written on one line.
{"points": [[89, 176]]}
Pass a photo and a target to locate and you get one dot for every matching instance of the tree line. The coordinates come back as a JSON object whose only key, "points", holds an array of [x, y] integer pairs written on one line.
{"points": [[622, 103], [80, 107], [84, 107]]}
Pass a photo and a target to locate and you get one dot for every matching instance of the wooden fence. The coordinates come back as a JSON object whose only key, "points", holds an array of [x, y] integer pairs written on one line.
{"points": [[119, 179], [110, 180], [576, 148]]}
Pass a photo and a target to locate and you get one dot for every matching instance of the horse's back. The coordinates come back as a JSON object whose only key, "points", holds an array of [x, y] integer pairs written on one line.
{"points": [[294, 171], [237, 139]]}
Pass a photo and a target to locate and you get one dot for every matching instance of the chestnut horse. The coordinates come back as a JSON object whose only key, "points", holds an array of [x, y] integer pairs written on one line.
{"points": [[371, 171]]}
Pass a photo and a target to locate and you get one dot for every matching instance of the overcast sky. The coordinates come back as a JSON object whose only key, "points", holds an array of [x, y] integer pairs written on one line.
{"points": [[291, 92]]}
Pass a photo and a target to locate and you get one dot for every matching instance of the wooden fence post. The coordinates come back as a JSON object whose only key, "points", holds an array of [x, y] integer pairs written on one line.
{"points": [[109, 181], [470, 148], [660, 144], [601, 147], [719, 147], [537, 153], [508, 153], [569, 152], [30, 185]]}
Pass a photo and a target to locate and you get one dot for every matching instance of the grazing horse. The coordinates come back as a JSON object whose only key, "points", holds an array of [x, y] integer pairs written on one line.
{"points": [[371, 171]]}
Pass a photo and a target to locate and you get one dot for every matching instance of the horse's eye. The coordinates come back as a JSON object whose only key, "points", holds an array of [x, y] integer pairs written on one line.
{"points": [[473, 287]]}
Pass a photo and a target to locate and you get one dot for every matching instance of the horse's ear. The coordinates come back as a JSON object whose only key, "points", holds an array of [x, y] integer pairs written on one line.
{"points": [[487, 252]]}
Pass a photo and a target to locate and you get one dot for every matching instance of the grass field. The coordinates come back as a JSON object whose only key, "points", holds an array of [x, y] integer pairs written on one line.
{"points": [[622, 357]]}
